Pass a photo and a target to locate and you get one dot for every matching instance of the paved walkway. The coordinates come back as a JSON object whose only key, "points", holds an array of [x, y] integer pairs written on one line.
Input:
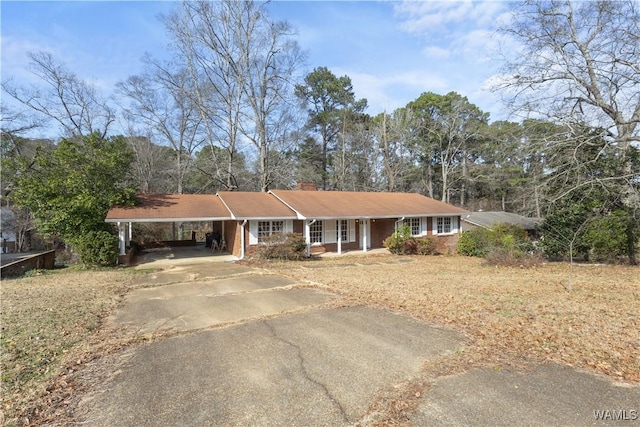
{"points": [[232, 345]]}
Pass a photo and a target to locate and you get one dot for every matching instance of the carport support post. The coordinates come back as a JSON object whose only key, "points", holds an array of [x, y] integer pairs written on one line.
{"points": [[339, 237], [242, 238], [122, 238]]}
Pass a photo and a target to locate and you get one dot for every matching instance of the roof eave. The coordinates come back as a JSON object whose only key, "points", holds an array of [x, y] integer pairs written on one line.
{"points": [[198, 219]]}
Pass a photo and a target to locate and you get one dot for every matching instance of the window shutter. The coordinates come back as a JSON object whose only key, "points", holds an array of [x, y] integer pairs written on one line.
{"points": [[352, 230], [423, 226], [330, 230], [288, 226], [253, 232]]}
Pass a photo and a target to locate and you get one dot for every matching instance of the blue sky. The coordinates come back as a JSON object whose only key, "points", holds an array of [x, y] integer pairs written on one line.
{"points": [[392, 51]]}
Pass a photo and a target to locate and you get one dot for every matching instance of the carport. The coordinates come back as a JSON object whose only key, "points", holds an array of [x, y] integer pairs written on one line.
{"points": [[173, 208]]}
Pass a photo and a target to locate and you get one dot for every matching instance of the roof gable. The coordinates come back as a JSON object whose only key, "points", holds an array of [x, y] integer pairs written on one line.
{"points": [[255, 205]]}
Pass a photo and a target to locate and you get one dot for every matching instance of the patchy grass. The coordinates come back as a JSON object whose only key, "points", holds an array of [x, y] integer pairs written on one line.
{"points": [[511, 316], [46, 319]]}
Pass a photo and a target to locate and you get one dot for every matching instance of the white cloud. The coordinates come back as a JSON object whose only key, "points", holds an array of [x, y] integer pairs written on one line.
{"points": [[388, 92], [421, 17], [435, 52]]}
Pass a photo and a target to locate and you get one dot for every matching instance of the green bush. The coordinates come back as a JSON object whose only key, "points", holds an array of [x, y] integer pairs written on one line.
{"points": [[502, 238], [608, 237], [289, 246], [474, 242], [400, 241], [97, 248]]}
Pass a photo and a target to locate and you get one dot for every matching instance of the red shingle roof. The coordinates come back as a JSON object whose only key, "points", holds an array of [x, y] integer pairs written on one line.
{"points": [[345, 204], [171, 207], [280, 204]]}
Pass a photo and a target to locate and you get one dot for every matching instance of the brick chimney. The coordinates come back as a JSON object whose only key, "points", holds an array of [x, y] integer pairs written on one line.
{"points": [[306, 186]]}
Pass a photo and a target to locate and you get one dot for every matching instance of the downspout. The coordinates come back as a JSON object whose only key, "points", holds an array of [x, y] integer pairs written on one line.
{"points": [[307, 232], [242, 238]]}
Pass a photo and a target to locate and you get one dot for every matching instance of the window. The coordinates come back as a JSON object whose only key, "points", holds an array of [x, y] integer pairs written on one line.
{"points": [[315, 232], [443, 224], [267, 228], [414, 224]]}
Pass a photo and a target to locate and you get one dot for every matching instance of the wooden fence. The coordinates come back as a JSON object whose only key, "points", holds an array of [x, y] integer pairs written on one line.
{"points": [[44, 260]]}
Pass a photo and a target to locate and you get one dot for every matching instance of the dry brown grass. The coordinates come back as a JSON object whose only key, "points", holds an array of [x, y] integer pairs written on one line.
{"points": [[48, 322], [511, 316]]}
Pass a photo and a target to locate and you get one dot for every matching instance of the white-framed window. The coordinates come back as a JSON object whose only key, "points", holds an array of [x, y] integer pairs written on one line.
{"points": [[258, 230], [327, 231], [445, 225], [315, 232], [414, 224], [267, 228]]}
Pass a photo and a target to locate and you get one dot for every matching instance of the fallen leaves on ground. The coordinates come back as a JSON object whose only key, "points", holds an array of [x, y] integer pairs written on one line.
{"points": [[510, 315]]}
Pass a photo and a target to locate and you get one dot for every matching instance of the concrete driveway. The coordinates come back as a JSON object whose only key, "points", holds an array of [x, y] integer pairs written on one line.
{"points": [[232, 345]]}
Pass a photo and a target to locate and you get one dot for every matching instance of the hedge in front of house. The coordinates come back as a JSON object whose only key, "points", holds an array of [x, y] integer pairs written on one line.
{"points": [[288, 246]]}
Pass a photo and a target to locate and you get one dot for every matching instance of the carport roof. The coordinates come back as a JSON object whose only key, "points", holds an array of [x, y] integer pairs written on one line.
{"points": [[171, 208], [351, 204]]}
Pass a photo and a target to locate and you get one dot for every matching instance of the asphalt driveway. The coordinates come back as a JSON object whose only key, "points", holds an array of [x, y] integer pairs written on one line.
{"points": [[231, 345]]}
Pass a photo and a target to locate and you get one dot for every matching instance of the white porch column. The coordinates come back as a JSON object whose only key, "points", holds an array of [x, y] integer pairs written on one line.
{"points": [[122, 239], [365, 237], [307, 236], [339, 237], [242, 238], [130, 234]]}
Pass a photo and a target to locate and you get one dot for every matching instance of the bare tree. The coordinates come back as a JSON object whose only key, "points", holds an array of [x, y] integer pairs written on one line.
{"points": [[394, 134], [204, 39], [160, 100], [269, 59], [72, 102], [241, 64], [579, 62]]}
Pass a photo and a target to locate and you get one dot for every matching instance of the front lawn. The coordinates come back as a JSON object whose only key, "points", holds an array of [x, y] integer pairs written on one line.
{"points": [[511, 316]]}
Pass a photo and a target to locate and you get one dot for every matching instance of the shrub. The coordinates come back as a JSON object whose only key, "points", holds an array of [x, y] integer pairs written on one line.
{"points": [[504, 244], [513, 258], [608, 237], [400, 242], [474, 242], [97, 248], [289, 246], [426, 246]]}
